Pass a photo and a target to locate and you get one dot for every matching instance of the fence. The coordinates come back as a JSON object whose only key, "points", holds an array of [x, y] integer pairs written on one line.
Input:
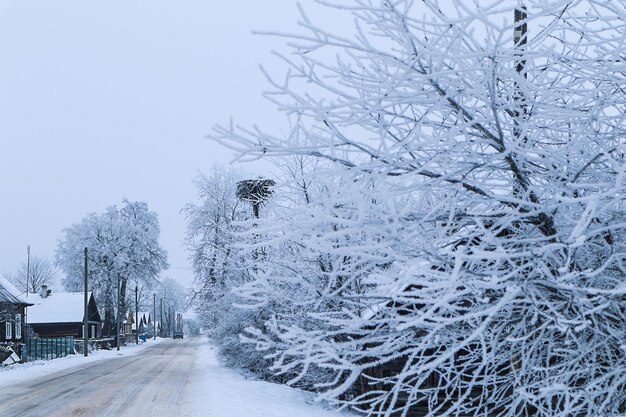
{"points": [[48, 348]]}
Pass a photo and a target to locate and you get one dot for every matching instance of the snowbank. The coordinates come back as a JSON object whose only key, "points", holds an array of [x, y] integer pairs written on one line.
{"points": [[19, 373], [218, 391]]}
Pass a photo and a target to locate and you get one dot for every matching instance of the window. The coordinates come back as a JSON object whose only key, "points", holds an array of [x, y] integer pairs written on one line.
{"points": [[9, 328], [18, 326]]}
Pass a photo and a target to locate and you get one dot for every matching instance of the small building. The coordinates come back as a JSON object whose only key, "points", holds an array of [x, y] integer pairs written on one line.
{"points": [[61, 314], [12, 319], [131, 324], [144, 320], [146, 324]]}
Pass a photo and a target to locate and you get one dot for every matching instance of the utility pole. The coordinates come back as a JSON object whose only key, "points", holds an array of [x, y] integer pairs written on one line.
{"points": [[27, 267], [86, 312], [255, 192], [161, 330], [154, 317], [117, 319], [520, 37], [520, 40], [136, 317], [170, 329]]}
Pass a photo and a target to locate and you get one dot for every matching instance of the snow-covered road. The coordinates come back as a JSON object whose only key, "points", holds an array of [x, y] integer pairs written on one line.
{"points": [[172, 378]]}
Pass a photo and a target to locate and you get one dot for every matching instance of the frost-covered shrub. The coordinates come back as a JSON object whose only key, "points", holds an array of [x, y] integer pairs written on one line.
{"points": [[470, 229]]}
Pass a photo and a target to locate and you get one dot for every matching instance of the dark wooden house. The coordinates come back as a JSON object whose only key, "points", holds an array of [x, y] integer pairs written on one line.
{"points": [[61, 314], [143, 321], [460, 366], [12, 320]]}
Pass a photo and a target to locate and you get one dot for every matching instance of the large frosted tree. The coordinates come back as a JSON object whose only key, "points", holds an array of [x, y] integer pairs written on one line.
{"points": [[123, 246], [217, 224], [473, 227]]}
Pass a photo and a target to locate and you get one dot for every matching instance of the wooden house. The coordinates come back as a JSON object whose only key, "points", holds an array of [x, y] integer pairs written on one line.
{"points": [[380, 378], [12, 319], [141, 324], [135, 327], [61, 314]]}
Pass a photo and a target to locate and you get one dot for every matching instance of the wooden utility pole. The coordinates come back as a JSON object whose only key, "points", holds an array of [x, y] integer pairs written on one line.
{"points": [[27, 267], [520, 37], [161, 331], [520, 107], [136, 317], [520, 40], [117, 318], [255, 192], [86, 312], [154, 317]]}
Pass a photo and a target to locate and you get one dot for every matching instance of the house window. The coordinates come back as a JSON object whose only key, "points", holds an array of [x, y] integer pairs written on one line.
{"points": [[9, 328], [18, 326]]}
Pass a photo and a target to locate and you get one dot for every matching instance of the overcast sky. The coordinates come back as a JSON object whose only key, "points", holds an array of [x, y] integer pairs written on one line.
{"points": [[101, 101]]}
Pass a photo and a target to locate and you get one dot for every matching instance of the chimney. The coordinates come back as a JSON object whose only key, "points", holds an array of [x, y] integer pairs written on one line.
{"points": [[44, 292]]}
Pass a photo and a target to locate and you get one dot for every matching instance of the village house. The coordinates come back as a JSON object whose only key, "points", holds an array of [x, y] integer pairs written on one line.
{"points": [[12, 320], [134, 328], [144, 320], [60, 314]]}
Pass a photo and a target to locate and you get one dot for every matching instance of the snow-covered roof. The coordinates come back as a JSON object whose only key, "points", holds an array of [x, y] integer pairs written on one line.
{"points": [[10, 294], [58, 307], [143, 315]]}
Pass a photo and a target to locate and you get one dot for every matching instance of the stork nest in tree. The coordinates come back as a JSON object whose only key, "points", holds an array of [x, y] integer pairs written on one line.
{"points": [[254, 191]]}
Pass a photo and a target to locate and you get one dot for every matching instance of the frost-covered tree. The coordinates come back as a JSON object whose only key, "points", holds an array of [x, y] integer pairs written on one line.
{"points": [[172, 295], [193, 326], [123, 245], [218, 225], [211, 227], [468, 256]]}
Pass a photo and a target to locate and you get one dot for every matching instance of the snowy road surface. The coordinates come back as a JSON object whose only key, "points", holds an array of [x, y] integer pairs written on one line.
{"points": [[172, 378]]}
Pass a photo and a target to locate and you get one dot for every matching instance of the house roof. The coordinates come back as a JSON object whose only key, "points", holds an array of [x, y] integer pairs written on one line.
{"points": [[58, 307], [143, 315], [10, 294]]}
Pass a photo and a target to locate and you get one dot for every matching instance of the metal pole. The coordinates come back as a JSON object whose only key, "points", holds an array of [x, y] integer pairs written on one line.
{"points": [[86, 310], [154, 311], [136, 317], [117, 318]]}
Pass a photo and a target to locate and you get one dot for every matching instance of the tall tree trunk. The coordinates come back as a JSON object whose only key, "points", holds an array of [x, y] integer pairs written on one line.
{"points": [[109, 314], [123, 286]]}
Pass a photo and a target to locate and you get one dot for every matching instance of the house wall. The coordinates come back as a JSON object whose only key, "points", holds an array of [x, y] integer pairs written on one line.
{"points": [[65, 329], [8, 313]]}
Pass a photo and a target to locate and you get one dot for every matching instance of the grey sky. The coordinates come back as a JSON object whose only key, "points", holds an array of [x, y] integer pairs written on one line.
{"points": [[101, 101]]}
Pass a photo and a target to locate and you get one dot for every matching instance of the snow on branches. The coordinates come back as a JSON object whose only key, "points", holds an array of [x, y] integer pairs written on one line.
{"points": [[463, 253], [123, 244]]}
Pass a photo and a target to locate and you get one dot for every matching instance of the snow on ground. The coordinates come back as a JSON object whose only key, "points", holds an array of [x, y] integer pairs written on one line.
{"points": [[216, 391], [13, 374], [212, 389]]}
